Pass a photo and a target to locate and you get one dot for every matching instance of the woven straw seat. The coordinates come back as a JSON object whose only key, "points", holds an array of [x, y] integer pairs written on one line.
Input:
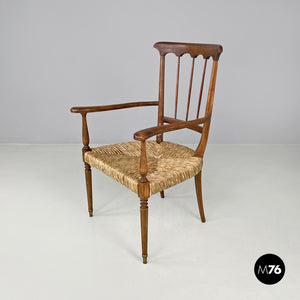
{"points": [[168, 163]]}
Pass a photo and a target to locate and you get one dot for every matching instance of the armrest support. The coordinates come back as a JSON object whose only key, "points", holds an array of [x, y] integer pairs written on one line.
{"points": [[149, 132], [90, 109]]}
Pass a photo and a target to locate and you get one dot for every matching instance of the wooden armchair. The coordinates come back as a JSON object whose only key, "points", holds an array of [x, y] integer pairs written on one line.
{"points": [[149, 167]]}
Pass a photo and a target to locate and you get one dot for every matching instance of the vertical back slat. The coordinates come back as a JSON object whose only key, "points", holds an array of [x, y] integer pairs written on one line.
{"points": [[201, 88], [177, 86], [209, 105], [160, 121], [190, 90]]}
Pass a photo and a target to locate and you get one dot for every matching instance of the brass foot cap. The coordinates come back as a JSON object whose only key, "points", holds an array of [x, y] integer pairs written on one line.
{"points": [[144, 260], [91, 213]]}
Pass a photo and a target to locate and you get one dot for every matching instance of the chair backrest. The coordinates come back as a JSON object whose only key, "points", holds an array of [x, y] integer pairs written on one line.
{"points": [[194, 50]]}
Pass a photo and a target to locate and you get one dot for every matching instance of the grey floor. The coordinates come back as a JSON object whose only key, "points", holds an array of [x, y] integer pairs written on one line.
{"points": [[51, 249]]}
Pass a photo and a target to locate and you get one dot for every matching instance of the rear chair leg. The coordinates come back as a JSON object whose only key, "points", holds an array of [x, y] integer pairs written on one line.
{"points": [[88, 180], [144, 228], [198, 185], [162, 194]]}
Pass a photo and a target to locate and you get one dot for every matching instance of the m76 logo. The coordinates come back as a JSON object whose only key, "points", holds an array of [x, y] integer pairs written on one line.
{"points": [[269, 269]]}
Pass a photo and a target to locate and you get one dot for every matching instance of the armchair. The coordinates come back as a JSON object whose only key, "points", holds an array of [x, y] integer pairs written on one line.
{"points": [[148, 167]]}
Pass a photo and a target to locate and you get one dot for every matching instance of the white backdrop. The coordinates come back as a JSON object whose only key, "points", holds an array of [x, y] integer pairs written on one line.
{"points": [[55, 54]]}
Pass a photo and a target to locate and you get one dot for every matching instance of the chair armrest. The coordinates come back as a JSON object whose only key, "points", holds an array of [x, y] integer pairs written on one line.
{"points": [[90, 109], [149, 132]]}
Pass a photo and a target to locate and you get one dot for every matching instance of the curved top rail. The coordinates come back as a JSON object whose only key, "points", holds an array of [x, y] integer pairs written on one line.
{"points": [[206, 50]]}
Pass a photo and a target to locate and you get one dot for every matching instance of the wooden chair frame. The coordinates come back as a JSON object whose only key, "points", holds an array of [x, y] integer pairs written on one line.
{"points": [[179, 49]]}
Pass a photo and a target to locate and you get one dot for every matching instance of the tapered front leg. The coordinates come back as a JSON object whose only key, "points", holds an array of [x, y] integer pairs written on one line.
{"points": [[144, 194], [88, 180], [88, 172], [144, 228]]}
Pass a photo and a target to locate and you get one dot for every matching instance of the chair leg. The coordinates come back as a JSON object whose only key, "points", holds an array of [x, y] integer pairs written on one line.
{"points": [[198, 185], [162, 194], [144, 228], [88, 180]]}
